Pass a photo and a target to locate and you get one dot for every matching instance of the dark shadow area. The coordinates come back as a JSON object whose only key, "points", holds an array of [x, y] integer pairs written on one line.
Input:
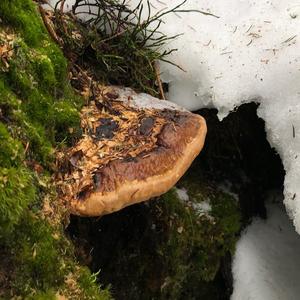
{"points": [[236, 154], [124, 248]]}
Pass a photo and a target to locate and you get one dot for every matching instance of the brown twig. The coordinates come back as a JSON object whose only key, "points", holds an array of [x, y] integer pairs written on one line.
{"points": [[160, 86], [49, 27], [26, 148], [62, 6]]}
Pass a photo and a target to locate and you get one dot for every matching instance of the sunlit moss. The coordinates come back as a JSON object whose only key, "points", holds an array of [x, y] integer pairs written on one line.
{"points": [[22, 15], [196, 241], [49, 295], [11, 150], [40, 265], [90, 290], [38, 111], [16, 183], [17, 191]]}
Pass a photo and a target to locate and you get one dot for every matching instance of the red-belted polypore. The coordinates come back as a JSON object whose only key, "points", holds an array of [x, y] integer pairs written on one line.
{"points": [[134, 147]]}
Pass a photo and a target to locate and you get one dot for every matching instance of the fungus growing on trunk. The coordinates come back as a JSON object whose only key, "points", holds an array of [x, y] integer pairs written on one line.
{"points": [[134, 147]]}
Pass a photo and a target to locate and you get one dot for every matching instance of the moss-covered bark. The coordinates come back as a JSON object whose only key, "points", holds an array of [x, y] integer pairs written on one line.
{"points": [[38, 112]]}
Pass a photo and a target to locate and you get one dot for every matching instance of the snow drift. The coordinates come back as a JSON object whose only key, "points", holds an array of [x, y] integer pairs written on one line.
{"points": [[267, 261]]}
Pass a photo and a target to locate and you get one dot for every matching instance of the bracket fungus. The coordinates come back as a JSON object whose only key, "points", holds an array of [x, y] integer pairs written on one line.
{"points": [[134, 147]]}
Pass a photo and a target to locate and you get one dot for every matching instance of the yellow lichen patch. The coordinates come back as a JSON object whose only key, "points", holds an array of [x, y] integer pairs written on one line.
{"points": [[7, 42]]}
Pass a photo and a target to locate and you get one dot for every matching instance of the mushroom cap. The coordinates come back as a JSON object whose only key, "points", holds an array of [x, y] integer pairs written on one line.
{"points": [[134, 147]]}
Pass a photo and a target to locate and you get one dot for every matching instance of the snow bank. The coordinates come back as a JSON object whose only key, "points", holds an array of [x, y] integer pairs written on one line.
{"points": [[267, 261], [68, 3]]}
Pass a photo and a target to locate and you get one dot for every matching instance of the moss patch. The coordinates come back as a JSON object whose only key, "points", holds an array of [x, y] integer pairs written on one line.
{"points": [[38, 112]]}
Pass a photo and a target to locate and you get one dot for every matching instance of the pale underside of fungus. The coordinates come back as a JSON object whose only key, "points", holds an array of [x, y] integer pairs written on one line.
{"points": [[134, 147]]}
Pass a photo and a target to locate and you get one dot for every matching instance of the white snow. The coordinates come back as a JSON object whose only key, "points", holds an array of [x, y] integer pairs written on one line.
{"points": [[182, 194], [266, 265], [142, 100], [226, 187], [203, 207], [68, 4]]}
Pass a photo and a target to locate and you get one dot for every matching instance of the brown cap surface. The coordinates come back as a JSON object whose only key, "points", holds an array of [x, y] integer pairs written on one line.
{"points": [[134, 147]]}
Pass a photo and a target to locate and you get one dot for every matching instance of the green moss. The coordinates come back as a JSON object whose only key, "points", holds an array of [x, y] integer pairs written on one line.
{"points": [[197, 241], [17, 191], [225, 211], [11, 150], [16, 182], [66, 117], [40, 265], [38, 111], [44, 69], [49, 295], [8, 101], [59, 64], [22, 15], [44, 262], [90, 290], [37, 95]]}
